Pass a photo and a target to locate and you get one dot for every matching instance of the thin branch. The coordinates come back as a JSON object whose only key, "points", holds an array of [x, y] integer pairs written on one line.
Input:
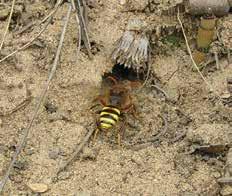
{"points": [[26, 132], [18, 107], [191, 56], [28, 43], [77, 151], [8, 24], [48, 19]]}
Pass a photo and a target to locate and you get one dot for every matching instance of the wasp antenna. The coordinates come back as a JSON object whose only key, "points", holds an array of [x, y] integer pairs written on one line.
{"points": [[115, 81]]}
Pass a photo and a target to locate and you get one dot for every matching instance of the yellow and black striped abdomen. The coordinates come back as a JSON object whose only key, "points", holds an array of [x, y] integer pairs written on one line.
{"points": [[109, 116]]}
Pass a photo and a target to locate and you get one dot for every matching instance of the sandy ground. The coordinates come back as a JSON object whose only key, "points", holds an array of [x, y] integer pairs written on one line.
{"points": [[165, 168]]}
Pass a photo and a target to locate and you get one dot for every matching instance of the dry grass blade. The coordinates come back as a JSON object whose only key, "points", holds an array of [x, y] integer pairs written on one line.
{"points": [[8, 24], [35, 114], [48, 19], [85, 36], [191, 56]]}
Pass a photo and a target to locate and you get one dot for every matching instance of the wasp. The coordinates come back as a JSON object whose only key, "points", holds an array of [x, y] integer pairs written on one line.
{"points": [[116, 101]]}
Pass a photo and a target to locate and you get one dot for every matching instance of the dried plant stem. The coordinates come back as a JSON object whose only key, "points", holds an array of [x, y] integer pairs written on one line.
{"points": [[85, 36], [77, 151], [18, 107], [193, 62], [79, 29], [8, 24], [35, 114], [48, 19]]}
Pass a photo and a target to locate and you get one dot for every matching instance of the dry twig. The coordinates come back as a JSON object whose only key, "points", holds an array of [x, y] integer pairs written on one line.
{"points": [[43, 94], [28, 43], [77, 151], [8, 24], [85, 36]]}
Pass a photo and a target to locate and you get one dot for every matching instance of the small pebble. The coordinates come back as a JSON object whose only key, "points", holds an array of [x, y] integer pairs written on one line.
{"points": [[226, 190], [88, 153], [20, 164], [122, 2], [54, 153], [29, 151], [226, 95], [50, 107], [189, 194], [38, 187], [216, 174], [82, 193], [64, 175], [4, 14]]}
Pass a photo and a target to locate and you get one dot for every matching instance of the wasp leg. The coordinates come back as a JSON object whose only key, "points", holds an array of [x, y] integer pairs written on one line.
{"points": [[95, 134], [96, 130], [114, 80], [94, 106]]}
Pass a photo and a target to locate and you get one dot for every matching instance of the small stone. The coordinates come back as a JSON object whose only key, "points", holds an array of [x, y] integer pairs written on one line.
{"points": [[54, 153], [88, 153], [29, 151], [38, 187], [216, 174], [82, 193], [189, 194], [226, 95], [226, 190], [20, 164], [137, 159], [122, 2], [50, 107], [3, 14]]}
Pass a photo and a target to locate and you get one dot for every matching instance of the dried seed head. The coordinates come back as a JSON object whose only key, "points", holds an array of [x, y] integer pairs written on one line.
{"points": [[132, 48]]}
